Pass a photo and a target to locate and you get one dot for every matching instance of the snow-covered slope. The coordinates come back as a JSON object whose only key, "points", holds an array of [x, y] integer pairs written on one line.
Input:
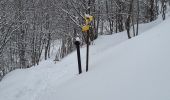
{"points": [[137, 69]]}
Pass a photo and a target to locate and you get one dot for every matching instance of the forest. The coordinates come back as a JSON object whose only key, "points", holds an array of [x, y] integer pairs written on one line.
{"points": [[29, 28]]}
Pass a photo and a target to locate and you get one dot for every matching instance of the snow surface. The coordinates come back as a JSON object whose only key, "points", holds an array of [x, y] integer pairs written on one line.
{"points": [[136, 69]]}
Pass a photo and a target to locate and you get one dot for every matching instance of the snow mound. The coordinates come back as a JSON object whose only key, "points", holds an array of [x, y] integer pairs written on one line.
{"points": [[138, 69]]}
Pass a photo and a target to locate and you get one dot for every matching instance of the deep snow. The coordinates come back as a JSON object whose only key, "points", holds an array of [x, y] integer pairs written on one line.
{"points": [[137, 69]]}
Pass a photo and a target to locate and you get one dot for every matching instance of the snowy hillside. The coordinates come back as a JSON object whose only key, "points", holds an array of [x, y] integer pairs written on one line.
{"points": [[137, 69]]}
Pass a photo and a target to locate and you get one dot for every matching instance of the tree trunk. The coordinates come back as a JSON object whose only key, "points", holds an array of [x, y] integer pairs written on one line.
{"points": [[127, 23]]}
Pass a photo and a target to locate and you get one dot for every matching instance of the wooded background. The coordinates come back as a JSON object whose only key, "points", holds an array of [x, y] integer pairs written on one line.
{"points": [[28, 28]]}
